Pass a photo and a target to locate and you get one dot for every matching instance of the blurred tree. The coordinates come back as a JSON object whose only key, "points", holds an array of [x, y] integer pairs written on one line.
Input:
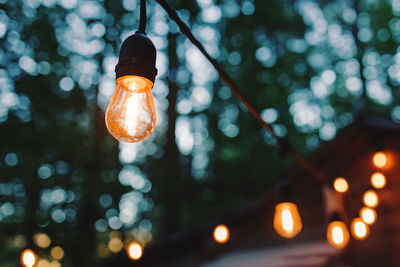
{"points": [[309, 66]]}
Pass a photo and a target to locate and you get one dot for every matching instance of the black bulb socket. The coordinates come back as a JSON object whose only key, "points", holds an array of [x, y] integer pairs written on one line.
{"points": [[137, 56]]}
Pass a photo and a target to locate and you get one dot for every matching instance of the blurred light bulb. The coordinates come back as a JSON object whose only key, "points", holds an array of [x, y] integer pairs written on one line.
{"points": [[28, 258], [359, 229], [378, 180], [221, 234], [135, 251], [42, 240], [337, 234], [340, 184], [131, 114], [115, 245], [370, 199], [287, 221], [380, 159], [368, 215]]}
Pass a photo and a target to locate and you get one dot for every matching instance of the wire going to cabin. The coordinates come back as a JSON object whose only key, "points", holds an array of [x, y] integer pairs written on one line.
{"points": [[284, 144]]}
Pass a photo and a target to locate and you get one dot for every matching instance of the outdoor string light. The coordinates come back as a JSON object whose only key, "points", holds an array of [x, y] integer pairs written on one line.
{"points": [[287, 221], [134, 251], [131, 117], [341, 185], [379, 159], [370, 198], [337, 234], [359, 229], [368, 215], [28, 258], [378, 180], [131, 114], [221, 234]]}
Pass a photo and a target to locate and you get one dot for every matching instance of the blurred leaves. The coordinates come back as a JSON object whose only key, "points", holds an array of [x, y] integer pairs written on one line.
{"points": [[309, 66]]}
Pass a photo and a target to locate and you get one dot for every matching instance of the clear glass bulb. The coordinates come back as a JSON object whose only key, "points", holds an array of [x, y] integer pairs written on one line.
{"points": [[131, 114]]}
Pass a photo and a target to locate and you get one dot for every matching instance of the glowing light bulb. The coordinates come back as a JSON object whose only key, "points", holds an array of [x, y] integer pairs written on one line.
{"points": [[368, 215], [370, 199], [378, 180], [221, 234], [337, 234], [340, 184], [28, 258], [131, 114], [359, 229], [287, 221], [135, 251], [379, 159]]}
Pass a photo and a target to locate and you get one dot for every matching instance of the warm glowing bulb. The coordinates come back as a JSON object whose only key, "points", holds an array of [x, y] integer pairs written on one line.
{"points": [[378, 180], [370, 199], [337, 234], [221, 234], [359, 229], [135, 251], [28, 258], [131, 114], [287, 221], [368, 215], [340, 184], [380, 159]]}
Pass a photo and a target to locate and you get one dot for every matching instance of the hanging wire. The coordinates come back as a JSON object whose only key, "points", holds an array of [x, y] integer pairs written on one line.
{"points": [[284, 144], [143, 17]]}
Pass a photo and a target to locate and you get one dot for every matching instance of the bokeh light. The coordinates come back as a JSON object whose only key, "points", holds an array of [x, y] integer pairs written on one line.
{"points": [[41, 240], [341, 185], [337, 234], [28, 258], [359, 229], [378, 180], [221, 234], [47, 263], [135, 251], [380, 159], [370, 199], [368, 215], [115, 245], [57, 253], [287, 221]]}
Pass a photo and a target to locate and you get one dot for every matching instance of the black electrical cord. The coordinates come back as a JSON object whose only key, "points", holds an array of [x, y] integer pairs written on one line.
{"points": [[143, 17], [284, 144]]}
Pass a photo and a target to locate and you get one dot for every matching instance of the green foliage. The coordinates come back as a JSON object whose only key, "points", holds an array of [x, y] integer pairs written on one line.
{"points": [[310, 67]]}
